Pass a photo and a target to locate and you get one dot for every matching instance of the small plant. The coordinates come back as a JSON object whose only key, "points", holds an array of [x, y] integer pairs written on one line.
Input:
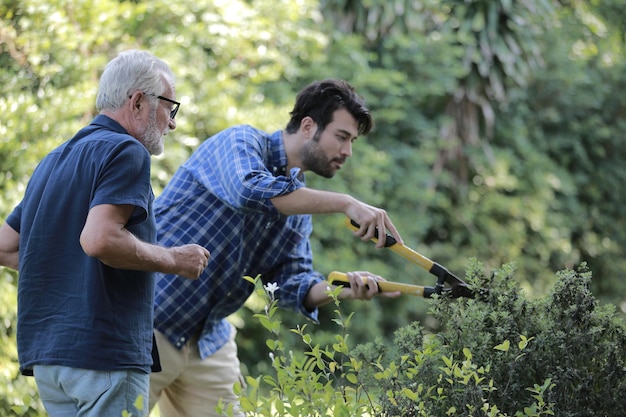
{"points": [[318, 381]]}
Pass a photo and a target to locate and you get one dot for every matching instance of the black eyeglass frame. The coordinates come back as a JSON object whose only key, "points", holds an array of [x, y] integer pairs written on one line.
{"points": [[169, 100]]}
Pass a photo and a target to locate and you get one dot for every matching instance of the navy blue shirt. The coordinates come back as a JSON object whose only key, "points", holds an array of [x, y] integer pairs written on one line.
{"points": [[73, 310], [220, 199]]}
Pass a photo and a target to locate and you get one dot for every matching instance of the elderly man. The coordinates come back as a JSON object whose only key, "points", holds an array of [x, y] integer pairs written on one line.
{"points": [[83, 242]]}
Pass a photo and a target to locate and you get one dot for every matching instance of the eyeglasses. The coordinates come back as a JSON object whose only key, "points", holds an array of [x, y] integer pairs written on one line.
{"points": [[176, 104]]}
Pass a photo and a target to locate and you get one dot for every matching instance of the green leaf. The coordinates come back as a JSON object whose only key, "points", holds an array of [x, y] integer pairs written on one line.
{"points": [[504, 346], [467, 353]]}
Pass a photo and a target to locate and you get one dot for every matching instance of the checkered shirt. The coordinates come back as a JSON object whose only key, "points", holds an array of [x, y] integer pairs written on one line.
{"points": [[220, 199]]}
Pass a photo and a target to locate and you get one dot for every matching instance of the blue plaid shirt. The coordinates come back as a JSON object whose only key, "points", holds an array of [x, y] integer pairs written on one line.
{"points": [[220, 199]]}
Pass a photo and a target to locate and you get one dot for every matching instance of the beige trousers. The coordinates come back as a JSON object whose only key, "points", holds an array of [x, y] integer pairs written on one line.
{"points": [[189, 386]]}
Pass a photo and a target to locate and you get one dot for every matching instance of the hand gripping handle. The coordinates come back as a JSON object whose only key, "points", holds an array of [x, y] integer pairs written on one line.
{"points": [[340, 278]]}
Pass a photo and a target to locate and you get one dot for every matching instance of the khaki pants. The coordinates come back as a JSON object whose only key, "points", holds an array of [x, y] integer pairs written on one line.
{"points": [[191, 387]]}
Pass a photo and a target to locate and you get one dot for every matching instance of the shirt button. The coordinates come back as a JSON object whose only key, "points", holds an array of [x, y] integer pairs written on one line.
{"points": [[182, 339]]}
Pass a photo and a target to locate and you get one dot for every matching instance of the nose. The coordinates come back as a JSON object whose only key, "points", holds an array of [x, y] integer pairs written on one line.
{"points": [[346, 149], [172, 124]]}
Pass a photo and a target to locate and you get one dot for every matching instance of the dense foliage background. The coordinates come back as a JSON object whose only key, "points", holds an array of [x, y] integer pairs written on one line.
{"points": [[500, 125]]}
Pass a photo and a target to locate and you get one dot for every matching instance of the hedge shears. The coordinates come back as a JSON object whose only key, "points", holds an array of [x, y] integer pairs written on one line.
{"points": [[456, 287]]}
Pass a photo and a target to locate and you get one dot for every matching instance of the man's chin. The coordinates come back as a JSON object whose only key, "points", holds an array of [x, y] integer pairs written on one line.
{"points": [[156, 151], [328, 171]]}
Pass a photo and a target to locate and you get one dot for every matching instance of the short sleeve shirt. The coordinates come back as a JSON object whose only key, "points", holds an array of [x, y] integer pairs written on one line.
{"points": [[73, 310]]}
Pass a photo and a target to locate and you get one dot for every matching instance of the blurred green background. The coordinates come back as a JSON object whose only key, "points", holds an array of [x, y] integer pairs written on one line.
{"points": [[500, 127]]}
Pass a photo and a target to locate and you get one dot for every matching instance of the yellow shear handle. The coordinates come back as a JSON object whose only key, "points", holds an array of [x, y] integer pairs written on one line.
{"points": [[340, 278], [404, 251]]}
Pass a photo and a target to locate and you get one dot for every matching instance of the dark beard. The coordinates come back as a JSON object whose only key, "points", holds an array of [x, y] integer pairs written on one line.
{"points": [[314, 159]]}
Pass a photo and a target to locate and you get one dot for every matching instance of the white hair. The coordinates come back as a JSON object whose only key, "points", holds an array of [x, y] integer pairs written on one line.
{"points": [[131, 71]]}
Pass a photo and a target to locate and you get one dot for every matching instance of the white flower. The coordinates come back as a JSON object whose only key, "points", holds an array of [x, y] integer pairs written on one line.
{"points": [[271, 288]]}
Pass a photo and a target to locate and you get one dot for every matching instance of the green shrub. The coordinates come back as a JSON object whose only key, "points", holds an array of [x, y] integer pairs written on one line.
{"points": [[565, 338], [498, 355]]}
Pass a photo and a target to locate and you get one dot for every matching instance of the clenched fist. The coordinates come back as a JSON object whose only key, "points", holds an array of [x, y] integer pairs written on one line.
{"points": [[190, 260]]}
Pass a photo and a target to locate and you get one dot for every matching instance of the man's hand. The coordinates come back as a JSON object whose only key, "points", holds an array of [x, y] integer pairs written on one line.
{"points": [[190, 260], [364, 286], [371, 219]]}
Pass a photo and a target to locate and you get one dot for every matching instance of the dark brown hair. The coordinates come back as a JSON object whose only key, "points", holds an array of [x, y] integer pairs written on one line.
{"points": [[319, 100]]}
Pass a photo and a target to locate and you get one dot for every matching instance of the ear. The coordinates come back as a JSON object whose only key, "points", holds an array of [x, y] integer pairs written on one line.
{"points": [[136, 101], [308, 127]]}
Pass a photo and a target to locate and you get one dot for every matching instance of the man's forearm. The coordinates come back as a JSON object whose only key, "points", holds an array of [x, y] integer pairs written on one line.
{"points": [[123, 250], [317, 296], [310, 201], [105, 237]]}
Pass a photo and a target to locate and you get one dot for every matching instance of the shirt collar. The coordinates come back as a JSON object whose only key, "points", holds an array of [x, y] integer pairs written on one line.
{"points": [[108, 123]]}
